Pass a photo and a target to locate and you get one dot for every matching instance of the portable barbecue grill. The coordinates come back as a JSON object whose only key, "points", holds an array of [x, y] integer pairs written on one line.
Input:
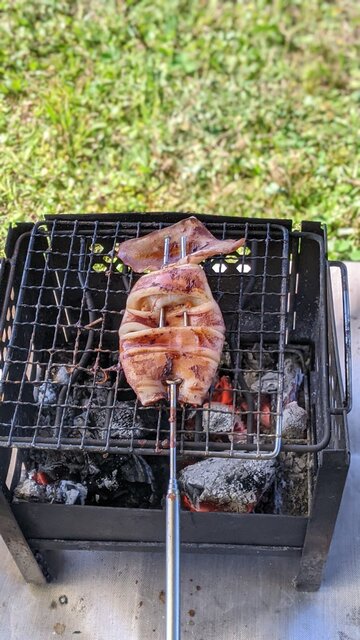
{"points": [[63, 290]]}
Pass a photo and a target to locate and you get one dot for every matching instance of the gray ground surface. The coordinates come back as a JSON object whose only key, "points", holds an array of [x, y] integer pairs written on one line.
{"points": [[116, 595]]}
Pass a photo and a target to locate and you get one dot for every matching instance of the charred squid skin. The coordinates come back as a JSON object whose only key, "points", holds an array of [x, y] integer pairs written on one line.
{"points": [[191, 353]]}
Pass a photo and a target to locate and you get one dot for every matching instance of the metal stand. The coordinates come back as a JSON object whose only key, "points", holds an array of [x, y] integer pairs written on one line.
{"points": [[330, 481], [14, 539]]}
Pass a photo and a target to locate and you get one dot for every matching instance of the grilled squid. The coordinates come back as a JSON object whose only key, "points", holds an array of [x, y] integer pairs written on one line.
{"points": [[155, 344], [150, 354]]}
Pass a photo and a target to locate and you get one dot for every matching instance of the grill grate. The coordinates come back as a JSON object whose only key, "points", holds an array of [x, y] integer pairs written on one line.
{"points": [[62, 386]]}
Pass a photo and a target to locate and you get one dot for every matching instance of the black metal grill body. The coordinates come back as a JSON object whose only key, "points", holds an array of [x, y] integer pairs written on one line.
{"points": [[67, 311], [48, 306]]}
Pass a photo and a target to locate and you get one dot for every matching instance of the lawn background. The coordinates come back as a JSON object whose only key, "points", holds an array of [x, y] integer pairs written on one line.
{"points": [[248, 108]]}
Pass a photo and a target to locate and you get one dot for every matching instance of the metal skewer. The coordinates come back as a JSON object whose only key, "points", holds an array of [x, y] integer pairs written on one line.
{"points": [[173, 495], [183, 254], [165, 261]]}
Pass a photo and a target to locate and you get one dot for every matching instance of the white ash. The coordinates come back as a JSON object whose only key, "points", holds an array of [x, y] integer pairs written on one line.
{"points": [[60, 492], [60, 375], [294, 421], [291, 492], [218, 418], [227, 484], [268, 383], [68, 492], [251, 363], [46, 393], [293, 378]]}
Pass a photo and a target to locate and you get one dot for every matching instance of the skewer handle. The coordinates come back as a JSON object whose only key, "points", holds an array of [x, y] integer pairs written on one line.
{"points": [[173, 566], [173, 529]]}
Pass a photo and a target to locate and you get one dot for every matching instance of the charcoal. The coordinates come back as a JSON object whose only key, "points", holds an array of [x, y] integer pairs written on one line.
{"points": [[136, 469], [107, 479], [293, 378], [251, 363], [29, 491], [56, 465], [95, 397], [91, 423], [68, 492], [225, 359], [46, 422], [268, 383], [46, 393], [218, 484], [60, 375], [291, 484], [218, 418], [294, 421], [126, 481], [122, 423], [61, 492]]}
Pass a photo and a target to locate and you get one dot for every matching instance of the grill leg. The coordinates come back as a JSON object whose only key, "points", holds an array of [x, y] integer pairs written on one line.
{"points": [[330, 480], [18, 546]]}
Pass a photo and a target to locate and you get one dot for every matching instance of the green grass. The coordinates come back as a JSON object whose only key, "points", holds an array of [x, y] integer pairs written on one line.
{"points": [[249, 108]]}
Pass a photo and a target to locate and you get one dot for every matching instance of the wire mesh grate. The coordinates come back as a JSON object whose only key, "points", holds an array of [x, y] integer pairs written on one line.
{"points": [[62, 386]]}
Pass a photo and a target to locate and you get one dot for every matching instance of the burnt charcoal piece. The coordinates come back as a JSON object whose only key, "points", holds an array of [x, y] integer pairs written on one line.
{"points": [[269, 380], [124, 481], [294, 421], [267, 384], [123, 422], [114, 480], [252, 364], [218, 418], [219, 484], [225, 360], [36, 489], [293, 378], [47, 392], [85, 395], [29, 491], [57, 465]]}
